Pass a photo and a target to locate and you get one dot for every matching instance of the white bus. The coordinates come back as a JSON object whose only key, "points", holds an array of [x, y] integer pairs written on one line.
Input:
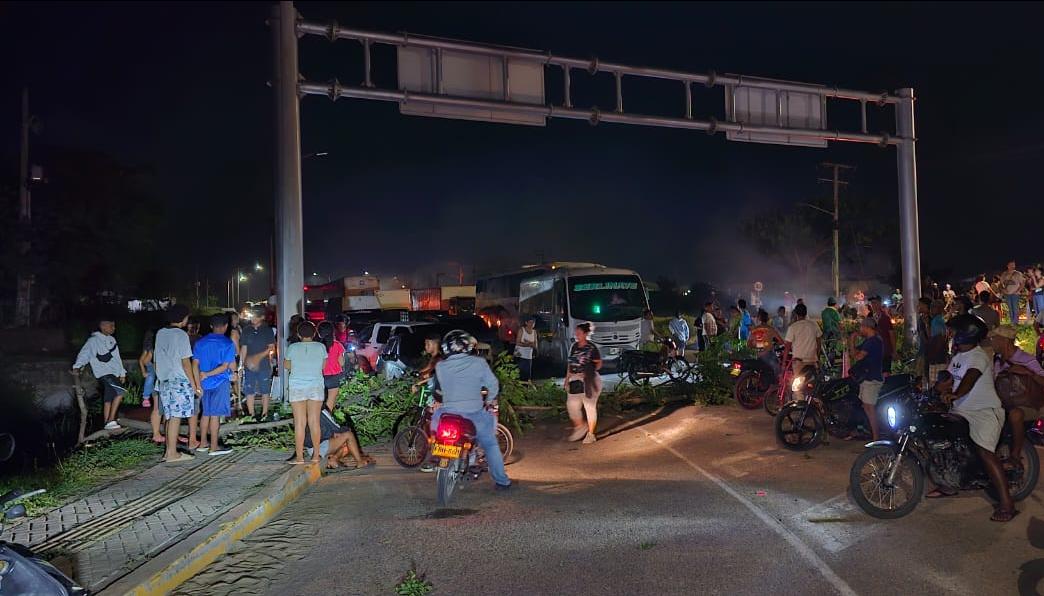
{"points": [[560, 296]]}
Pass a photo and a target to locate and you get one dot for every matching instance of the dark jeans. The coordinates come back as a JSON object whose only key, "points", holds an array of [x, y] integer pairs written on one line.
{"points": [[525, 369]]}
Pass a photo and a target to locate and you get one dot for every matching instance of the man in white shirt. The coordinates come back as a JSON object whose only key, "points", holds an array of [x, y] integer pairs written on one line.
{"points": [[102, 353], [679, 328], [1012, 283], [803, 340], [524, 347], [709, 325], [971, 392], [176, 381]]}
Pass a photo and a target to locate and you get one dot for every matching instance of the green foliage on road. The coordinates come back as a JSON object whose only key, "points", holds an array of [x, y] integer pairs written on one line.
{"points": [[81, 472], [413, 585]]}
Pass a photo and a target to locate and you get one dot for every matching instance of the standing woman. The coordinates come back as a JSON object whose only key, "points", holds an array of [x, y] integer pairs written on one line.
{"points": [[1036, 289], [583, 384], [234, 332], [333, 369], [304, 367]]}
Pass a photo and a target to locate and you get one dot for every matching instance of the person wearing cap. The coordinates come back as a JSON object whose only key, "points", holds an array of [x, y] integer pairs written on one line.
{"points": [[1010, 358], [103, 354], [176, 381], [868, 370]]}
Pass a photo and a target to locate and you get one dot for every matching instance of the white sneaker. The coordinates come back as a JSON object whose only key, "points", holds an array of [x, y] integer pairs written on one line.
{"points": [[590, 438], [578, 433], [112, 425]]}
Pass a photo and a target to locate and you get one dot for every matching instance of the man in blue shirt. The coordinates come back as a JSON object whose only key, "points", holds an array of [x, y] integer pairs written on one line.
{"points": [[214, 359], [461, 378], [680, 330], [746, 322], [869, 357]]}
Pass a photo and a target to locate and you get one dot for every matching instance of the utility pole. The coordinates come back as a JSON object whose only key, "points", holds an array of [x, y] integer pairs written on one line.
{"points": [[23, 316], [837, 182]]}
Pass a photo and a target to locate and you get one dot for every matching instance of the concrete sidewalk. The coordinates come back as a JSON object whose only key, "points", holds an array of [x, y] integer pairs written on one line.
{"points": [[103, 537]]}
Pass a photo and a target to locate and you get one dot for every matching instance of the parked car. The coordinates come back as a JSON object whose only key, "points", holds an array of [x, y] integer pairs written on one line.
{"points": [[373, 338], [403, 352]]}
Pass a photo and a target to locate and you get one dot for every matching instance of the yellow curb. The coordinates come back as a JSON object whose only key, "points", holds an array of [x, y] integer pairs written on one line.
{"points": [[259, 510]]}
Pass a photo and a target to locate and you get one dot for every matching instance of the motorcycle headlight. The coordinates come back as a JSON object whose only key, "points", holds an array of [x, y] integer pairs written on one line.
{"points": [[893, 419], [797, 383]]}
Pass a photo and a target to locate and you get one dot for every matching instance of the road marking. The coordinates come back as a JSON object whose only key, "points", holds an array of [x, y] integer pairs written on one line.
{"points": [[803, 549]]}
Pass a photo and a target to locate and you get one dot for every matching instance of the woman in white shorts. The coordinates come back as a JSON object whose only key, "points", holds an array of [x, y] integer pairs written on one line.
{"points": [[306, 390]]}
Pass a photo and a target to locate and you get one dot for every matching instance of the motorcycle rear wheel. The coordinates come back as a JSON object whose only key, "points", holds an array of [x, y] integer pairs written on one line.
{"points": [[634, 374], [506, 441], [747, 392], [866, 480], [1020, 485], [410, 447], [799, 427], [445, 482], [678, 369]]}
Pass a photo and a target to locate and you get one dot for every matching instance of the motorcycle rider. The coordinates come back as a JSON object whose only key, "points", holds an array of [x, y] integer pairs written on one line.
{"points": [[973, 397], [1009, 357], [763, 338], [461, 378]]}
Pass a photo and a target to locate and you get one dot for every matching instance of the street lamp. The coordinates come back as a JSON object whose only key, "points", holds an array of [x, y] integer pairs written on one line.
{"points": [[258, 267]]}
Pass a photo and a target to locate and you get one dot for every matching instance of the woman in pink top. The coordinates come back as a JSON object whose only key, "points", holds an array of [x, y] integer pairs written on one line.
{"points": [[333, 370]]}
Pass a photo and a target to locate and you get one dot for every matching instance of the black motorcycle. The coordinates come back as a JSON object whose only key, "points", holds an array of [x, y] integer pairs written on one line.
{"points": [[21, 570], [641, 367], [887, 479]]}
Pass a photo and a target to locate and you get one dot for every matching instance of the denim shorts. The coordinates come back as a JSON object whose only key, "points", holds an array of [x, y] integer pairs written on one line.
{"points": [[256, 382]]}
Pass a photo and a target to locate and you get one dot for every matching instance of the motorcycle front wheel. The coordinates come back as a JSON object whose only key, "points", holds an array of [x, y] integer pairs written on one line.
{"points": [[773, 402], [506, 441], [446, 482], [678, 369], [799, 427], [868, 480], [748, 392]]}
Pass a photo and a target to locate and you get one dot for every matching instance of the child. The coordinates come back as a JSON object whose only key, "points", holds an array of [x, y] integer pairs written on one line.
{"points": [[102, 353], [213, 359], [149, 394], [177, 381]]}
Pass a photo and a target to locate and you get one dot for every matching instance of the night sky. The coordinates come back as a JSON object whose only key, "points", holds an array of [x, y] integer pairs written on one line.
{"points": [[182, 88]]}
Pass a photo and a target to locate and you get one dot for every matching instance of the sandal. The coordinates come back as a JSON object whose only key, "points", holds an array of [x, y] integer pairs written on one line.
{"points": [[940, 494], [1010, 465], [1003, 515]]}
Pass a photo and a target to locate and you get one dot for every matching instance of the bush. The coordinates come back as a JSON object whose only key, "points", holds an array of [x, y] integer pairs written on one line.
{"points": [[374, 404], [716, 388]]}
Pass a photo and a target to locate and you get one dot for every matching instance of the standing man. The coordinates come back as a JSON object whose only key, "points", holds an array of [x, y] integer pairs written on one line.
{"points": [[524, 348], [831, 320], [257, 346], [948, 297], [793, 311], [984, 311], [213, 360], [680, 331], [779, 322], [803, 341], [897, 298], [648, 332], [745, 322], [1012, 282], [885, 330], [103, 354], [177, 382], [869, 369], [709, 325]]}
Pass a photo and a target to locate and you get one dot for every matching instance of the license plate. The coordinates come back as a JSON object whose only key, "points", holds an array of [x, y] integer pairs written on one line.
{"points": [[440, 450], [735, 372]]}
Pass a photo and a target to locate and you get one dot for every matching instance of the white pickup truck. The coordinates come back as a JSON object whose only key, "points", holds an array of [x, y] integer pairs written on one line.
{"points": [[373, 338]]}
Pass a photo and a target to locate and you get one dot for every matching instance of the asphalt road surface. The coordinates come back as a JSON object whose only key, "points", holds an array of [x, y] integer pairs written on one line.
{"points": [[691, 500]]}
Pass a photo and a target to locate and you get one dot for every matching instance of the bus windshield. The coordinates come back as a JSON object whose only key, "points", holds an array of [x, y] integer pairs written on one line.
{"points": [[604, 298]]}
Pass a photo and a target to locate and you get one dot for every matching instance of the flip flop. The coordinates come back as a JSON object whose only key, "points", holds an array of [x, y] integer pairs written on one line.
{"points": [[159, 442], [182, 457], [939, 494], [298, 463]]}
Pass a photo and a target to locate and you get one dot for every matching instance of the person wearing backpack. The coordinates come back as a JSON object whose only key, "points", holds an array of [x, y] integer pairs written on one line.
{"points": [[103, 354]]}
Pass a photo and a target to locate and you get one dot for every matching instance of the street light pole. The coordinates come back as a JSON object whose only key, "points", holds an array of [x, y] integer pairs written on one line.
{"points": [[908, 220]]}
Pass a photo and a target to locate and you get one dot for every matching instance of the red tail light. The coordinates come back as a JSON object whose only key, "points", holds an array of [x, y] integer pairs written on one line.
{"points": [[737, 365], [1040, 424], [449, 432]]}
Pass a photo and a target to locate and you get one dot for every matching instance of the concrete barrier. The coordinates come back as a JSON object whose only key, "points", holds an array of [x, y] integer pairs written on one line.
{"points": [[174, 566]]}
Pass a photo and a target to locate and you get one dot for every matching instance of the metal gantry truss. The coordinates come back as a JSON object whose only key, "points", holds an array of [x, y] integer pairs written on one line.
{"points": [[288, 27]]}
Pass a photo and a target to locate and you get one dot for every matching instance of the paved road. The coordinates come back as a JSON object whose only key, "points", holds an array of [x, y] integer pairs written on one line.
{"points": [[691, 500]]}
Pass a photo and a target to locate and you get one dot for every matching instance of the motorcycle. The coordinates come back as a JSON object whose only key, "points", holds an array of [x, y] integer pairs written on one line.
{"points": [[888, 479], [832, 407], [756, 380], [640, 366], [459, 457], [21, 570]]}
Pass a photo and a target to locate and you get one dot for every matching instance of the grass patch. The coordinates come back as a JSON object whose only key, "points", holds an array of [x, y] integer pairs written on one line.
{"points": [[413, 585], [646, 546], [81, 472]]}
